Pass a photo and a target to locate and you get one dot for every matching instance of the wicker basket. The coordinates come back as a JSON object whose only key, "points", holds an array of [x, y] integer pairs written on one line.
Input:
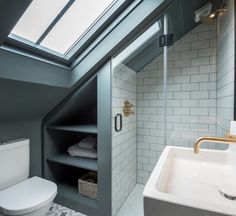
{"points": [[88, 185]]}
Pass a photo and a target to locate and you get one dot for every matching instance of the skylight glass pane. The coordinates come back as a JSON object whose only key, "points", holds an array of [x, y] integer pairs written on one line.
{"points": [[37, 18], [79, 17]]}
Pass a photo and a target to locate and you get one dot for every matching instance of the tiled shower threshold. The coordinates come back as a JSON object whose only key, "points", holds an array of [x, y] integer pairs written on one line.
{"points": [[133, 206]]}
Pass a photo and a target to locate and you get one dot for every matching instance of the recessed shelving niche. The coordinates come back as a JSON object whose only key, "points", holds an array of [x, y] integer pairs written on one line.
{"points": [[75, 118]]}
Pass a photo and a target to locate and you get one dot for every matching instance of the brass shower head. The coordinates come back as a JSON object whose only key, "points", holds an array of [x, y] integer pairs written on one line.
{"points": [[211, 18]]}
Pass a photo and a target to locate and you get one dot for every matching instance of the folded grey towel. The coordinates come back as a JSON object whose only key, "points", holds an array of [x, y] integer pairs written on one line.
{"points": [[88, 143], [78, 151]]}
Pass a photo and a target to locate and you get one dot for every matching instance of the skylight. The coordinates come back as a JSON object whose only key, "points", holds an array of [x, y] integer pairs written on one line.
{"points": [[79, 17], [59, 24], [37, 18]]}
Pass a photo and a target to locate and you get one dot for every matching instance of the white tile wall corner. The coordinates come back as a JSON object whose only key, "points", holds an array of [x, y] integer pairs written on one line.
{"points": [[191, 105], [225, 70], [124, 142]]}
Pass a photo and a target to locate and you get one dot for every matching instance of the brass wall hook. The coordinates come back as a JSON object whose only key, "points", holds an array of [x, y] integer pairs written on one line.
{"points": [[127, 108]]}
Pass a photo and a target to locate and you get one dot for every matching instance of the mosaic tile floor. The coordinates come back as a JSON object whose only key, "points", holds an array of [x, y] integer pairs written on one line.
{"points": [[58, 210], [133, 206]]}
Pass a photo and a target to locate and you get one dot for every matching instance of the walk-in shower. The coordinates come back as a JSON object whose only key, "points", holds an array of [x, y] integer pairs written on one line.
{"points": [[174, 74]]}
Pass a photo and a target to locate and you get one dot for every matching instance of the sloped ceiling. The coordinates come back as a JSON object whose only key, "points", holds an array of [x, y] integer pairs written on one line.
{"points": [[17, 64], [180, 22]]}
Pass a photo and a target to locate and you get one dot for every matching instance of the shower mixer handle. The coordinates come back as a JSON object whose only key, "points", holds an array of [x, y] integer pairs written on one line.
{"points": [[127, 108]]}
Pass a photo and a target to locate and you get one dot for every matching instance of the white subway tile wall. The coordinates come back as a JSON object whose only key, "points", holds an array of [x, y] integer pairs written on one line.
{"points": [[191, 105], [225, 70], [123, 142], [200, 102]]}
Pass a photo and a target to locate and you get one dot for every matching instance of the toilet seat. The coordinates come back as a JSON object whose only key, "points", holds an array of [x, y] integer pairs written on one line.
{"points": [[27, 196]]}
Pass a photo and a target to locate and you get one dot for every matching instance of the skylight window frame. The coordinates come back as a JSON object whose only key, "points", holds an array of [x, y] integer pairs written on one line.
{"points": [[54, 22], [98, 27], [84, 41], [35, 49], [102, 17]]}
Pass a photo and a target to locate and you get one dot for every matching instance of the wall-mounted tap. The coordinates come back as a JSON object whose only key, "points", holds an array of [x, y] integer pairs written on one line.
{"points": [[127, 108], [228, 139]]}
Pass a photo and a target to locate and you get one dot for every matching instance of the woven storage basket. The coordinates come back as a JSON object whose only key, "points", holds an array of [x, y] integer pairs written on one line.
{"points": [[88, 185]]}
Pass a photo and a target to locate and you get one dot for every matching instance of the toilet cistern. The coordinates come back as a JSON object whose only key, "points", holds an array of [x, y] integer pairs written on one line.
{"points": [[20, 194]]}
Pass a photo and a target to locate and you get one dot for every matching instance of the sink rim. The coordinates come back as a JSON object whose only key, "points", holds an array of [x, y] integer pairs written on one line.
{"points": [[152, 192]]}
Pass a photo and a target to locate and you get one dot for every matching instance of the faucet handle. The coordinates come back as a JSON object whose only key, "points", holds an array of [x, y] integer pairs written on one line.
{"points": [[127, 108]]}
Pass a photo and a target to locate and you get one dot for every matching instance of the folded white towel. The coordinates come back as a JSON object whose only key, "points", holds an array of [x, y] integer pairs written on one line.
{"points": [[88, 143], [76, 150]]}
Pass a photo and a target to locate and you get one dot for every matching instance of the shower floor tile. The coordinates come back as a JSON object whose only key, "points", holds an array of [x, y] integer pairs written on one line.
{"points": [[133, 206]]}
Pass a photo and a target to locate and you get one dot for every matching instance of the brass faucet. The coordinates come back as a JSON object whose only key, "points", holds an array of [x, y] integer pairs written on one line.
{"points": [[228, 139]]}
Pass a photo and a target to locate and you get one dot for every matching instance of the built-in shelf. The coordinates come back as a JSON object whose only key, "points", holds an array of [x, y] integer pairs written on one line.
{"points": [[71, 192], [66, 159], [88, 128], [84, 112]]}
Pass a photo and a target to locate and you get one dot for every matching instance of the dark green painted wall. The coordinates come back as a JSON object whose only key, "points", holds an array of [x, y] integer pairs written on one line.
{"points": [[29, 88], [24, 68], [22, 100], [22, 108]]}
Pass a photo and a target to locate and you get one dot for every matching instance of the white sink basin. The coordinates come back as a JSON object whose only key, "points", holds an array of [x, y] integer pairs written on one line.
{"points": [[187, 184]]}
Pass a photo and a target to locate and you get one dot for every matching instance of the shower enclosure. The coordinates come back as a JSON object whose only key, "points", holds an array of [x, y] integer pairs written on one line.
{"points": [[169, 87]]}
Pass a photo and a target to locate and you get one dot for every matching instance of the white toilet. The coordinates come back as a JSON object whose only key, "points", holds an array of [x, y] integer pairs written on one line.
{"points": [[19, 194]]}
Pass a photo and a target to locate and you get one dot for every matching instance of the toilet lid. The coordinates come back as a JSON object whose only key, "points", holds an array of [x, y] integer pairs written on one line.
{"points": [[27, 196]]}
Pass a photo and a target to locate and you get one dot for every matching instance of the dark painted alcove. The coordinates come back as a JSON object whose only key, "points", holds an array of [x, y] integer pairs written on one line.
{"points": [[22, 108]]}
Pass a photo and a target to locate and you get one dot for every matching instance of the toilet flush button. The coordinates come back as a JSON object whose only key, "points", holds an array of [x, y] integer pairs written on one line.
{"points": [[228, 191]]}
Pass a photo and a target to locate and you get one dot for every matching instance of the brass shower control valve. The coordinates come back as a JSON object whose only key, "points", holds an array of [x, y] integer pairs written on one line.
{"points": [[127, 108]]}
